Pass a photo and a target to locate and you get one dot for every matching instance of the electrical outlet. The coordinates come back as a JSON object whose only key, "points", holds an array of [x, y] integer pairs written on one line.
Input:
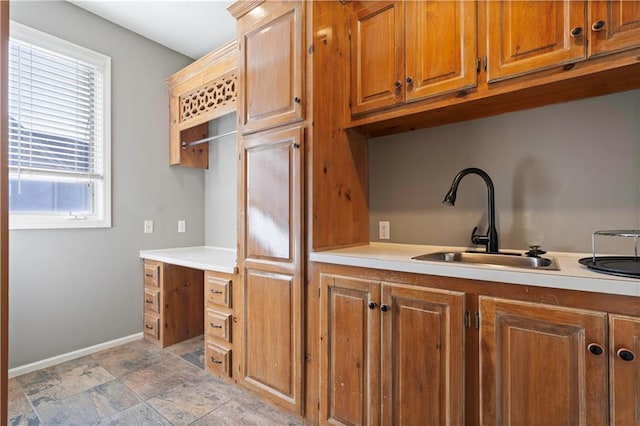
{"points": [[384, 230], [148, 226], [182, 226]]}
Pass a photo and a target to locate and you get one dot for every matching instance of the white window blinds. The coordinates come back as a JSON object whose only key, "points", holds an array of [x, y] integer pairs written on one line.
{"points": [[55, 113]]}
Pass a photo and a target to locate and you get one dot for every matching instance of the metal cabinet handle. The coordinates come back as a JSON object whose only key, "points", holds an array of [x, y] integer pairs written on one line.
{"points": [[595, 349], [384, 308], [372, 305], [148, 327], [597, 26], [214, 325], [576, 31], [215, 361], [297, 100], [216, 291], [149, 301], [625, 354], [409, 80]]}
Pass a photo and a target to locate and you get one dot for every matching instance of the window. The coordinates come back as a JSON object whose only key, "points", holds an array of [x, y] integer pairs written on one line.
{"points": [[59, 133]]}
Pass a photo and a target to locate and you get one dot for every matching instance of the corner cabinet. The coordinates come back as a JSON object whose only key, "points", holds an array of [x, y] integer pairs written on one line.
{"points": [[200, 92], [404, 51], [390, 353]]}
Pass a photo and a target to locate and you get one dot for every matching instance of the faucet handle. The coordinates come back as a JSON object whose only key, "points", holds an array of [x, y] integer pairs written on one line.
{"points": [[478, 239], [534, 251]]}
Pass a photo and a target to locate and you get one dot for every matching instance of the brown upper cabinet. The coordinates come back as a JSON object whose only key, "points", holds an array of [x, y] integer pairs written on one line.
{"points": [[614, 26], [271, 55], [199, 93], [418, 64], [403, 51], [528, 36]]}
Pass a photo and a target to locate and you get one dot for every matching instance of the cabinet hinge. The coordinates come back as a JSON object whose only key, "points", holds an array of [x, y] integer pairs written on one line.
{"points": [[477, 322], [467, 319]]}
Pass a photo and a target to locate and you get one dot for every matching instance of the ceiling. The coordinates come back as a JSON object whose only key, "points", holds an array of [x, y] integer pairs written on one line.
{"points": [[192, 28]]}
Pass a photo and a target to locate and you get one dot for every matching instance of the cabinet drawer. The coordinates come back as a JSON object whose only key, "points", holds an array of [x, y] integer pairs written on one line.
{"points": [[218, 360], [152, 300], [218, 324], [152, 326], [218, 291], [152, 274]]}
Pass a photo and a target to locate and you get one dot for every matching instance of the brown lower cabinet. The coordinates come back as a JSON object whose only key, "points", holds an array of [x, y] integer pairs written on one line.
{"points": [[390, 353], [398, 348], [173, 303]]}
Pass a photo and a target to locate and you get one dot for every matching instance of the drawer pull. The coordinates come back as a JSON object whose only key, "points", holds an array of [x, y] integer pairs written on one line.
{"points": [[214, 325], [216, 291], [215, 361], [148, 301], [148, 275], [148, 327]]}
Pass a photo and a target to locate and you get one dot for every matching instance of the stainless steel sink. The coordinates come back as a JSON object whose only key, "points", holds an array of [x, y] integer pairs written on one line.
{"points": [[510, 260]]}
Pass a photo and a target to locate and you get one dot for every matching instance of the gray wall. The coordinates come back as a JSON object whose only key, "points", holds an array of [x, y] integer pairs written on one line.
{"points": [[70, 289], [560, 173], [221, 190]]}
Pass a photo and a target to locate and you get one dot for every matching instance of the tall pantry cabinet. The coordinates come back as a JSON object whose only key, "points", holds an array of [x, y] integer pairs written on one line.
{"points": [[271, 154], [302, 185]]}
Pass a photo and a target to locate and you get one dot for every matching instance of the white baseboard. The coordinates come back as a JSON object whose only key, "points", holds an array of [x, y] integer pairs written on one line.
{"points": [[59, 359]]}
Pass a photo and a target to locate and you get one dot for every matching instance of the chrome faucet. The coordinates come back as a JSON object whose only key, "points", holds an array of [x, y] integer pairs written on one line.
{"points": [[490, 240]]}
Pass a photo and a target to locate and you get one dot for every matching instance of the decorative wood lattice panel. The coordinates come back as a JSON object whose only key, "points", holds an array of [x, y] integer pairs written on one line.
{"points": [[213, 95]]}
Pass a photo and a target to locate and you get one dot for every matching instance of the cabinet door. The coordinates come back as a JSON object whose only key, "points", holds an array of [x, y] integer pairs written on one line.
{"points": [[422, 366], [440, 47], [270, 225], [350, 346], [273, 336], [624, 373], [614, 26], [271, 65], [527, 36], [272, 196], [542, 364], [376, 55]]}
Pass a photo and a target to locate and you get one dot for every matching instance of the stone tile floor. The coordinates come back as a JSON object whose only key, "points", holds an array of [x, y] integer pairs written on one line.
{"points": [[136, 384]]}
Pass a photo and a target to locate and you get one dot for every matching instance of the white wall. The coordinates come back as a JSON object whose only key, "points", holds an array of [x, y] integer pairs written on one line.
{"points": [[560, 172], [70, 289], [221, 190]]}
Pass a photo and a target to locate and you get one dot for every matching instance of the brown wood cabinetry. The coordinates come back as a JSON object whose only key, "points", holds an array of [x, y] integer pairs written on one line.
{"points": [[391, 353], [222, 327], [624, 370], [515, 55], [457, 351], [198, 93], [542, 363], [271, 60], [404, 51], [527, 36], [614, 25], [173, 303], [271, 235]]}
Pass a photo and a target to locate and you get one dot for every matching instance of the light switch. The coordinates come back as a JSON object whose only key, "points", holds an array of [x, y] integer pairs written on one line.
{"points": [[384, 230], [148, 226], [182, 226]]}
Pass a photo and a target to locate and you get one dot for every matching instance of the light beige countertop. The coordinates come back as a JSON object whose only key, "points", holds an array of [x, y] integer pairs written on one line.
{"points": [[206, 258], [398, 257]]}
